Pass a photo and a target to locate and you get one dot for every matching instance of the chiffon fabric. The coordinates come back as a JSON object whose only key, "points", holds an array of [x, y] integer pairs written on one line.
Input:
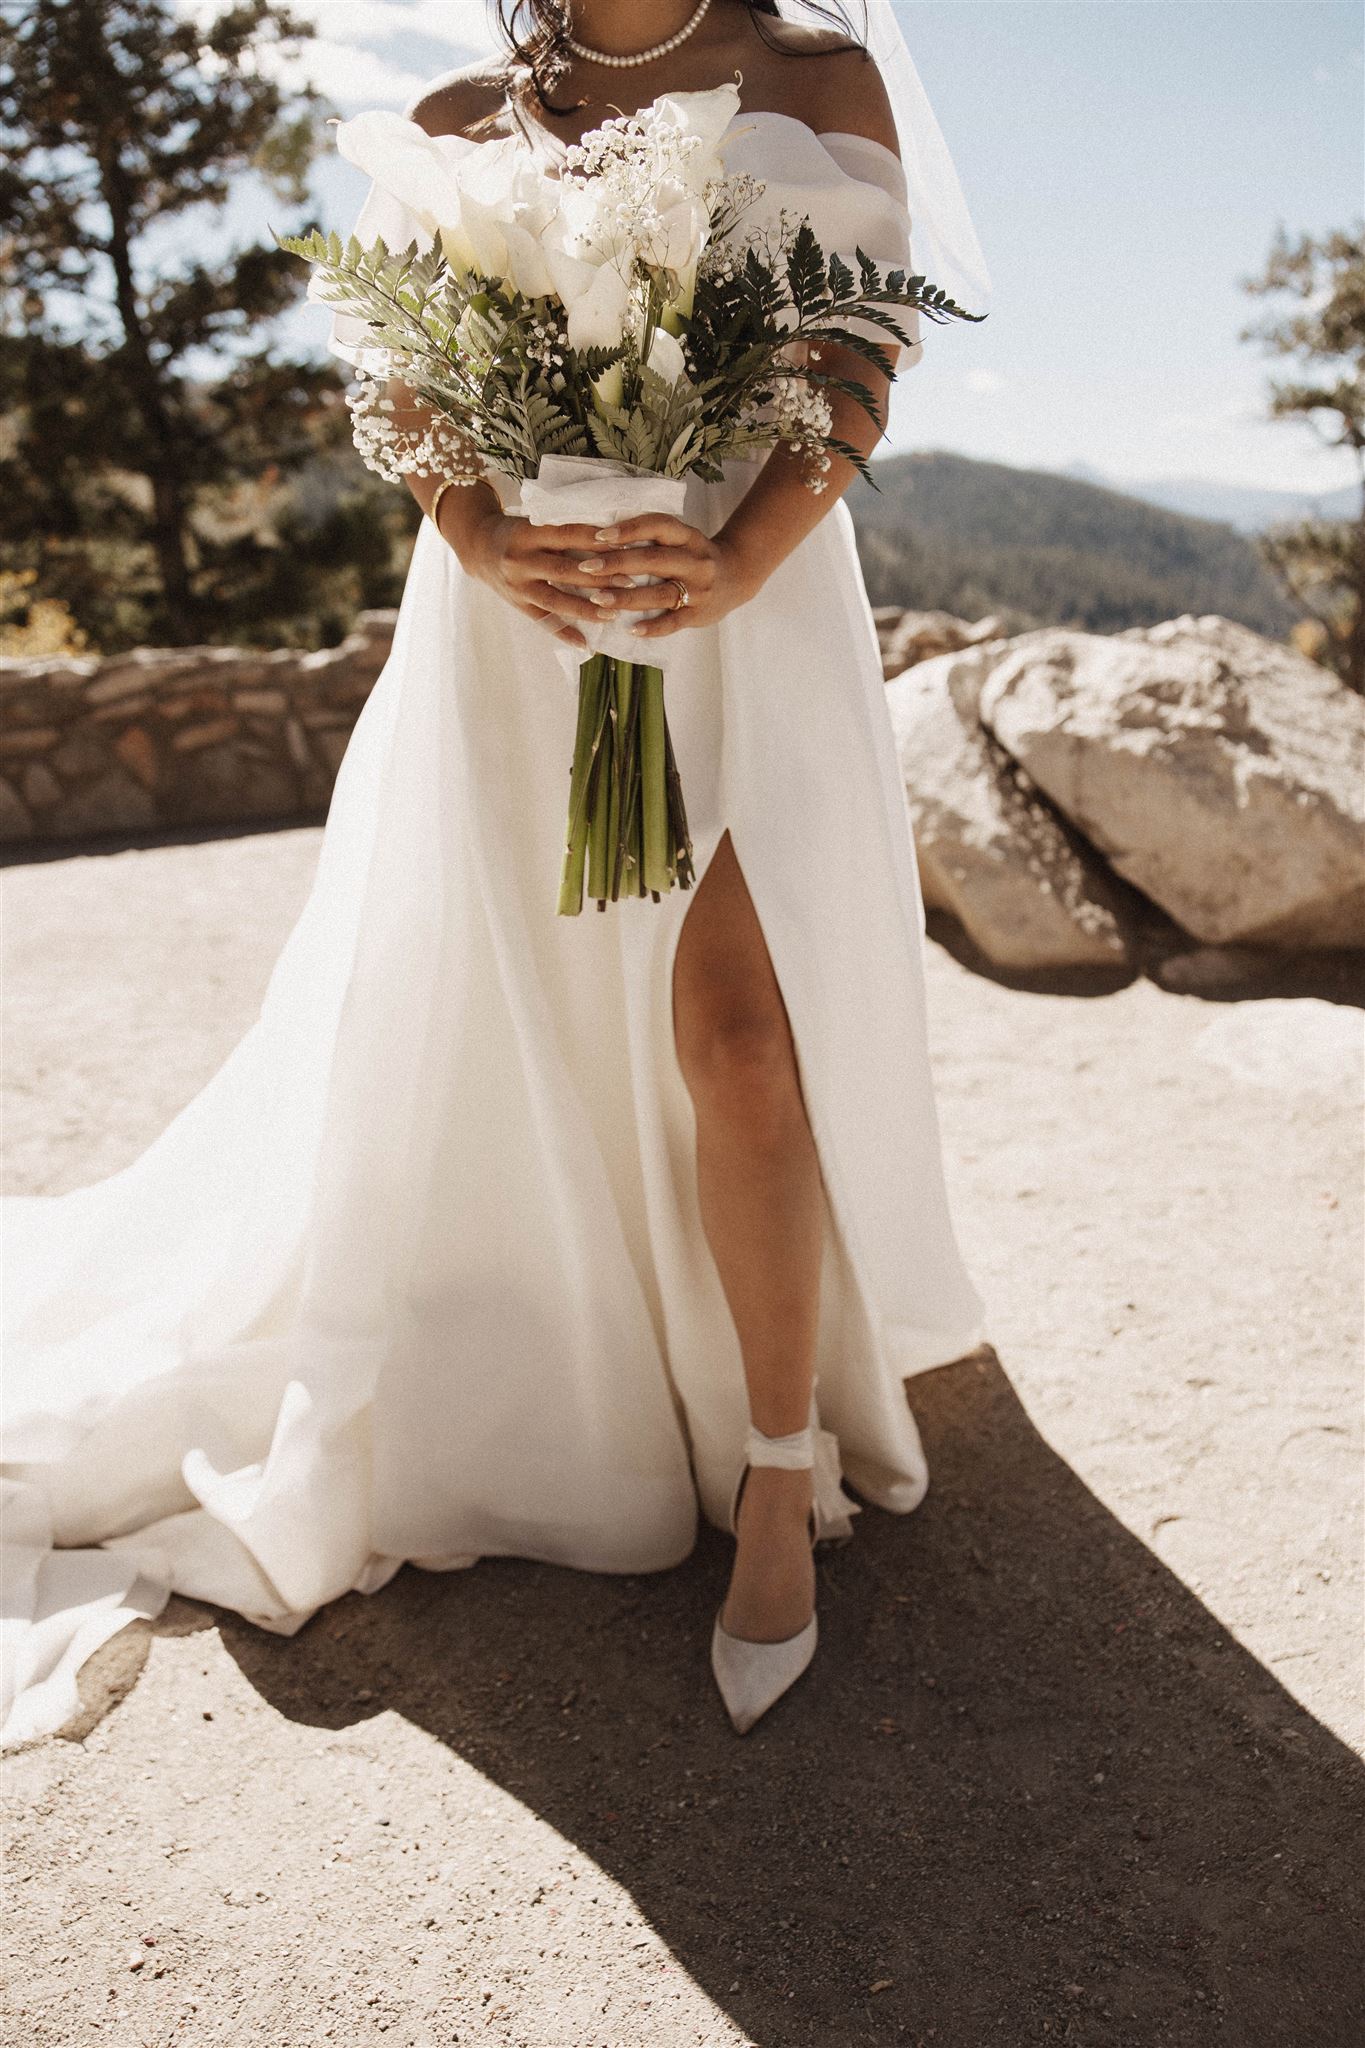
{"points": [[419, 1275]]}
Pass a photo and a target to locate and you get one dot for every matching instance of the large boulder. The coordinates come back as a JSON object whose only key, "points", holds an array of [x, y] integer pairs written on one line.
{"points": [[906, 637], [1221, 773], [989, 852]]}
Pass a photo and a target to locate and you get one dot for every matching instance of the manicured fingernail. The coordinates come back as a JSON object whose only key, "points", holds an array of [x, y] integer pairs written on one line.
{"points": [[606, 533], [593, 562], [601, 597]]}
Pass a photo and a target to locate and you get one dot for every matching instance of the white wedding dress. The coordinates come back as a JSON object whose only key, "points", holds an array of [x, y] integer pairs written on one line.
{"points": [[420, 1274]]}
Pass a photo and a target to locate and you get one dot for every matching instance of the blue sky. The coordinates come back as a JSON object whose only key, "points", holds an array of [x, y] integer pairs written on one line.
{"points": [[1126, 162]]}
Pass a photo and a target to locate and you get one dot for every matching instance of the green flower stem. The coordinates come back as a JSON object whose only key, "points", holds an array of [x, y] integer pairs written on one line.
{"points": [[679, 838], [627, 679], [587, 744], [599, 807], [638, 848], [656, 865], [614, 793]]}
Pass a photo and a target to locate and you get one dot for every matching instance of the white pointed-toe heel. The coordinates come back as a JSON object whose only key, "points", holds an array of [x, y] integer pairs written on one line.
{"points": [[752, 1675]]}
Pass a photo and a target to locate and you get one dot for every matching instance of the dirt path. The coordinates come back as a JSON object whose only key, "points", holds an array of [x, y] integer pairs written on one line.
{"points": [[1077, 1758]]}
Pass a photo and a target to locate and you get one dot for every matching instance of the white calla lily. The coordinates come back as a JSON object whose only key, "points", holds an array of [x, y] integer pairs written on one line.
{"points": [[666, 357], [610, 387], [596, 315], [486, 203], [507, 204], [705, 115], [417, 168]]}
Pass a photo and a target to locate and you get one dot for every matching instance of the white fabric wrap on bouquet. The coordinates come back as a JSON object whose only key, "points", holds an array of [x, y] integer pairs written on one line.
{"points": [[587, 490]]}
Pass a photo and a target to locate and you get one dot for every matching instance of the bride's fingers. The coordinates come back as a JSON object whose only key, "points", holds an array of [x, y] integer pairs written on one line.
{"points": [[675, 620], [695, 566], [547, 567], [577, 540], [564, 603], [559, 628], [649, 526], [663, 596]]}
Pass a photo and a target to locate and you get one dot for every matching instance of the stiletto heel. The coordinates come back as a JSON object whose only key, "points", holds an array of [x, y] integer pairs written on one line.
{"points": [[752, 1675]]}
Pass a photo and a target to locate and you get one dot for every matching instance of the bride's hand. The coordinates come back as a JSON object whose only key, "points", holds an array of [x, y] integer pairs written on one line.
{"points": [[536, 569], [713, 573]]}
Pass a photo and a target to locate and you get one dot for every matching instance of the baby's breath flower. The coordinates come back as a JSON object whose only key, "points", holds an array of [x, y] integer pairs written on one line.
{"points": [[804, 419], [435, 447]]}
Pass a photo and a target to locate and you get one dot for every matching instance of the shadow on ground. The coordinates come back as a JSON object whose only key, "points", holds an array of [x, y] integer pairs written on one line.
{"points": [[1029, 1786], [1162, 952]]}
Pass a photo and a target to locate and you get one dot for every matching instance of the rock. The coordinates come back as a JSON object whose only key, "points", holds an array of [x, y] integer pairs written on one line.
{"points": [[126, 707], [992, 627], [127, 677], [911, 637], [112, 803], [41, 786], [1221, 773], [137, 750], [81, 753], [16, 820], [377, 629], [214, 730], [28, 739], [220, 785], [989, 852], [332, 747], [297, 743], [1211, 970], [212, 734], [266, 703], [207, 701]]}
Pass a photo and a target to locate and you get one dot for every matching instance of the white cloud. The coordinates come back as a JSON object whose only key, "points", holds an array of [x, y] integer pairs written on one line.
{"points": [[1229, 416], [345, 58], [988, 382], [463, 24], [346, 74]]}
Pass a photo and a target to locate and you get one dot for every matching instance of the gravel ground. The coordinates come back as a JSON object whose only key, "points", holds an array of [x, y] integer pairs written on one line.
{"points": [[1078, 1758]]}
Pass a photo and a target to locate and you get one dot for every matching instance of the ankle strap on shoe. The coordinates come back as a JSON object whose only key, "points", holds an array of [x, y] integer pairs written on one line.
{"points": [[794, 1451]]}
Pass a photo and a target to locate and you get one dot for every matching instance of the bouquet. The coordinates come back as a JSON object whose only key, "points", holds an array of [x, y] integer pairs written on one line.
{"points": [[592, 339]]}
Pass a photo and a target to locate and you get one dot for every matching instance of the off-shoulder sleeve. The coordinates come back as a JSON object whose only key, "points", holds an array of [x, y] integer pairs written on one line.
{"points": [[380, 215], [851, 189]]}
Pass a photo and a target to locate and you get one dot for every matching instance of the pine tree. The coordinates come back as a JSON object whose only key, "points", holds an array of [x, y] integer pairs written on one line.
{"points": [[1322, 561], [138, 388]]}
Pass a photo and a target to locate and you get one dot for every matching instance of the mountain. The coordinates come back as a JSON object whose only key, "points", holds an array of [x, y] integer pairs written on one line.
{"points": [[1249, 509], [948, 532]]}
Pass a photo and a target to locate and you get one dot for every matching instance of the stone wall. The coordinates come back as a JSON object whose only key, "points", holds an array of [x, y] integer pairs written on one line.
{"points": [[162, 737]]}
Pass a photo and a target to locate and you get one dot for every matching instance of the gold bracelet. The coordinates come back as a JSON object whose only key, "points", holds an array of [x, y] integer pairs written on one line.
{"points": [[434, 508]]}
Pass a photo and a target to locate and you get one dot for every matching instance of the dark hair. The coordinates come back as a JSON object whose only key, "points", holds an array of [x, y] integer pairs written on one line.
{"points": [[536, 32]]}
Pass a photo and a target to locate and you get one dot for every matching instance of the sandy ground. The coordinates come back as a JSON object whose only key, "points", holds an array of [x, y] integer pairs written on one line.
{"points": [[1078, 1760]]}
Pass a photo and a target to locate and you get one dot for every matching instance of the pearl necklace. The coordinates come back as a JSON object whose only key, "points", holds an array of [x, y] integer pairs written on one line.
{"points": [[641, 56]]}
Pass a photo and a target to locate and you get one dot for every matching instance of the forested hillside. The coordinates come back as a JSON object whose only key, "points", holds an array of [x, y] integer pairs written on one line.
{"points": [[947, 532]]}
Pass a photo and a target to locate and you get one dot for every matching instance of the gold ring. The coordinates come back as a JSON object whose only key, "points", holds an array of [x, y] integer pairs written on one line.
{"points": [[684, 597]]}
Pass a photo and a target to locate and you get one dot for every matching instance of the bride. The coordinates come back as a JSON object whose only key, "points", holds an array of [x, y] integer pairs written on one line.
{"points": [[504, 1233]]}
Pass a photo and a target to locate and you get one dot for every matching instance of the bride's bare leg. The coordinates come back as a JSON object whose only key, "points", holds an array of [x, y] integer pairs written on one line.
{"points": [[758, 1180]]}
